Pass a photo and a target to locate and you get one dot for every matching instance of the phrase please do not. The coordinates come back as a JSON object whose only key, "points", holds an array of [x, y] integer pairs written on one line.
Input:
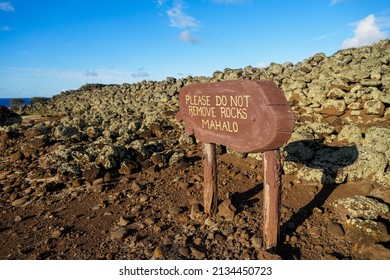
{"points": [[222, 106]]}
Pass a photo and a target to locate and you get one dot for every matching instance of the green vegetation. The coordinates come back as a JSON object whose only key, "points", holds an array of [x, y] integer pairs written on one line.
{"points": [[36, 100], [16, 102]]}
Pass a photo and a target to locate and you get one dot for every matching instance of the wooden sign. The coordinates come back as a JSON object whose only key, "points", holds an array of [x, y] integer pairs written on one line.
{"points": [[246, 116]]}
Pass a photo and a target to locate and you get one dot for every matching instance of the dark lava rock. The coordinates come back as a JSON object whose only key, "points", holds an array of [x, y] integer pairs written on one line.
{"points": [[8, 117]]}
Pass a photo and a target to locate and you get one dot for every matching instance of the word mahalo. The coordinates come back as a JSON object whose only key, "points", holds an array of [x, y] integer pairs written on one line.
{"points": [[244, 115]]}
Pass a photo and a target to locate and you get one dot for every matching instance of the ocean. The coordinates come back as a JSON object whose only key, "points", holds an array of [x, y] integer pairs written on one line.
{"points": [[5, 101]]}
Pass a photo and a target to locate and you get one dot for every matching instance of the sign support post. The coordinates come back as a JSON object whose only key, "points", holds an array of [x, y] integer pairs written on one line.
{"points": [[247, 116], [210, 197], [272, 187]]}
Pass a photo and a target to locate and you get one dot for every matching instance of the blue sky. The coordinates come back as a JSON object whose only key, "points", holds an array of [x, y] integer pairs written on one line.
{"points": [[48, 46]]}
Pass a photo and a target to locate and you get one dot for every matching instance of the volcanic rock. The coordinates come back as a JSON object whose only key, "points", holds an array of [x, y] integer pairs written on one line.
{"points": [[359, 207], [8, 117]]}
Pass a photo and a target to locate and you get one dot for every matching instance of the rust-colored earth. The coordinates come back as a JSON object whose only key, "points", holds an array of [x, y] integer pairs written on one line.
{"points": [[155, 211]]}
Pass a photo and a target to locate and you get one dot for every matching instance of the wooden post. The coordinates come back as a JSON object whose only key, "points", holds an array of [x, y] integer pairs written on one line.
{"points": [[210, 198], [272, 197]]}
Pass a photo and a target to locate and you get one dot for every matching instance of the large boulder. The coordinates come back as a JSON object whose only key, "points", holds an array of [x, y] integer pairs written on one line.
{"points": [[8, 117]]}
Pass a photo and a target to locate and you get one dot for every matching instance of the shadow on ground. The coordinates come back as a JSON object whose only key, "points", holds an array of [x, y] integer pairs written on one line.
{"points": [[315, 154], [247, 198]]}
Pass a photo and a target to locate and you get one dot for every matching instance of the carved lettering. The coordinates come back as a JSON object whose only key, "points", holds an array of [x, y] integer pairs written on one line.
{"points": [[235, 113], [220, 100], [222, 107], [198, 100], [220, 125], [239, 100], [194, 111]]}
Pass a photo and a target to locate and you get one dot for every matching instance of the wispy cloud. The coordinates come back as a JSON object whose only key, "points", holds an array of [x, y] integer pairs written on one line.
{"points": [[178, 18], [263, 64], [91, 73], [322, 37], [187, 37], [181, 74], [161, 2], [141, 73], [383, 21], [6, 28], [366, 32], [6, 7], [100, 75], [27, 82]]}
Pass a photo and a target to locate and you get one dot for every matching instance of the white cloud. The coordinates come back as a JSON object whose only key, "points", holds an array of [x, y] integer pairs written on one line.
{"points": [[367, 32], [187, 37], [178, 18], [6, 7]]}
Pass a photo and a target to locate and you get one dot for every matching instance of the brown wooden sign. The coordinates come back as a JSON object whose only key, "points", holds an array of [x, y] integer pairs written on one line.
{"points": [[244, 115]]}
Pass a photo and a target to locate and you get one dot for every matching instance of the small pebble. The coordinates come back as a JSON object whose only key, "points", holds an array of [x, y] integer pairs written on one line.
{"points": [[107, 177], [136, 186], [198, 241], [174, 210], [19, 202], [227, 231], [158, 253], [293, 240], [195, 213], [144, 198], [119, 234], [209, 222], [97, 182], [184, 251], [28, 190], [135, 209], [197, 253], [123, 221], [257, 242], [76, 183], [18, 218], [149, 221], [56, 234], [97, 188]]}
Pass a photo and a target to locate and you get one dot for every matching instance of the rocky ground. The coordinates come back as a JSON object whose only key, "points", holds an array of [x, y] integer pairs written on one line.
{"points": [[106, 171]]}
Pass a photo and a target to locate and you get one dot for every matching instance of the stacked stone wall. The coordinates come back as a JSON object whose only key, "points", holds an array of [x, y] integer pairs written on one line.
{"points": [[342, 100]]}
